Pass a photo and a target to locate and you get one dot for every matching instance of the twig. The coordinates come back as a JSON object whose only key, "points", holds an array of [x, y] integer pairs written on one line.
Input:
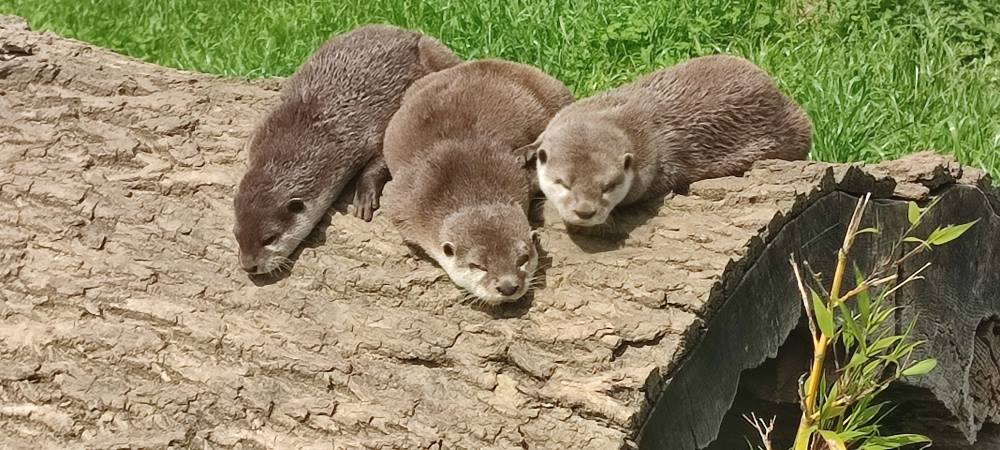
{"points": [[805, 299], [913, 277], [864, 285], [764, 429]]}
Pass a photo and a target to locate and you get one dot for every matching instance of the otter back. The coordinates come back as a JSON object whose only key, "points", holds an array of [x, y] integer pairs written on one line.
{"points": [[712, 117]]}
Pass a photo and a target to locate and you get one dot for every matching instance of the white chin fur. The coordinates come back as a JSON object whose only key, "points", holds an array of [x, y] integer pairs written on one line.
{"points": [[591, 222], [472, 280], [277, 253], [558, 195]]}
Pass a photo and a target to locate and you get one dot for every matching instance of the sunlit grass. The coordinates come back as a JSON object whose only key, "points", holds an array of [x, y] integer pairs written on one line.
{"points": [[878, 78]]}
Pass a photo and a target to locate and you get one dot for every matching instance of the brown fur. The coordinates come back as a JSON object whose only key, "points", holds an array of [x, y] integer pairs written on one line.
{"points": [[455, 176], [708, 117], [326, 132]]}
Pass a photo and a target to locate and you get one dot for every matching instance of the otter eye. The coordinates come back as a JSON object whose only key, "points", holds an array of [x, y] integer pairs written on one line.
{"points": [[296, 206], [562, 183], [522, 260], [475, 266], [269, 240], [609, 187]]}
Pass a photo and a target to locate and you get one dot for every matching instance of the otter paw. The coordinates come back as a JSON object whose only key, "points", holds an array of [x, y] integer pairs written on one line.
{"points": [[366, 201]]}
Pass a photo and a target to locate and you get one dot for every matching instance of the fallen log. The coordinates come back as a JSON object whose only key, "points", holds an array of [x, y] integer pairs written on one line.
{"points": [[125, 320]]}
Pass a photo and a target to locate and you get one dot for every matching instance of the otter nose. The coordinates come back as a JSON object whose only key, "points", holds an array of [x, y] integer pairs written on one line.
{"points": [[585, 212], [508, 288], [247, 263]]}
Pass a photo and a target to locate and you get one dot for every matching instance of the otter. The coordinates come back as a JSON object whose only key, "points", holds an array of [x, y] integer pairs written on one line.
{"points": [[708, 117], [325, 133], [459, 191]]}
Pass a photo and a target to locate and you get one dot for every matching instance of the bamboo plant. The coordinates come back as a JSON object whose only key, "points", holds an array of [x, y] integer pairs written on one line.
{"points": [[840, 409]]}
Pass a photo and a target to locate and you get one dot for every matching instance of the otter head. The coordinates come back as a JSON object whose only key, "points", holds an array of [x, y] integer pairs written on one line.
{"points": [[279, 201], [270, 223], [489, 251], [584, 169]]}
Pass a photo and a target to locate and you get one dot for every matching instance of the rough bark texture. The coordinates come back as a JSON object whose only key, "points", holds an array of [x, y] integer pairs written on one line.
{"points": [[125, 320]]}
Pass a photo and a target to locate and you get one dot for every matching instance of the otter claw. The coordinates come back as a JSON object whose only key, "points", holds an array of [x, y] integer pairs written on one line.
{"points": [[368, 189], [366, 198], [365, 204]]}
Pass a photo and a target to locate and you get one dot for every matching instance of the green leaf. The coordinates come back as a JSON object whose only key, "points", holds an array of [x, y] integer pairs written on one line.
{"points": [[850, 436], [867, 230], [913, 213], [857, 358], [867, 414], [850, 325], [883, 344], [879, 315], [922, 242], [833, 441], [824, 318], [949, 233], [897, 441], [863, 299], [920, 368], [831, 410]]}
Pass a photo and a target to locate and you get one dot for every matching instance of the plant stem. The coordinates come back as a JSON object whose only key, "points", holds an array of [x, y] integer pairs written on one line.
{"points": [[819, 357], [804, 433]]}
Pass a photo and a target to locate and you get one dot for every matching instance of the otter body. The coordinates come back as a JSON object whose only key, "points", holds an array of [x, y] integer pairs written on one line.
{"points": [[325, 133], [708, 117], [458, 190]]}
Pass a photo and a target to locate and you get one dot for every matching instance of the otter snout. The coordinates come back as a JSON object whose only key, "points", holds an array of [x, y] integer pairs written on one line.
{"points": [[509, 286], [582, 210], [249, 263], [585, 210]]}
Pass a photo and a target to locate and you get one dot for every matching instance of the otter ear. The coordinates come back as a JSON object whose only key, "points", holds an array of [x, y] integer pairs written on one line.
{"points": [[295, 205], [528, 152], [449, 249], [628, 161]]}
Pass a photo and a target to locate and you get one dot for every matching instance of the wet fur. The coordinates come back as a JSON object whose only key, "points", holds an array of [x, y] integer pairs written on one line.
{"points": [[456, 178], [325, 133], [708, 117]]}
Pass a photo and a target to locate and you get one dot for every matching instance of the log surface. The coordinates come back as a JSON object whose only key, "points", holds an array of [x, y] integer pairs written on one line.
{"points": [[125, 320]]}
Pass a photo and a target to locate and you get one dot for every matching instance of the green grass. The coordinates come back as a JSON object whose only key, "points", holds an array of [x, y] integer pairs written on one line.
{"points": [[878, 78]]}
